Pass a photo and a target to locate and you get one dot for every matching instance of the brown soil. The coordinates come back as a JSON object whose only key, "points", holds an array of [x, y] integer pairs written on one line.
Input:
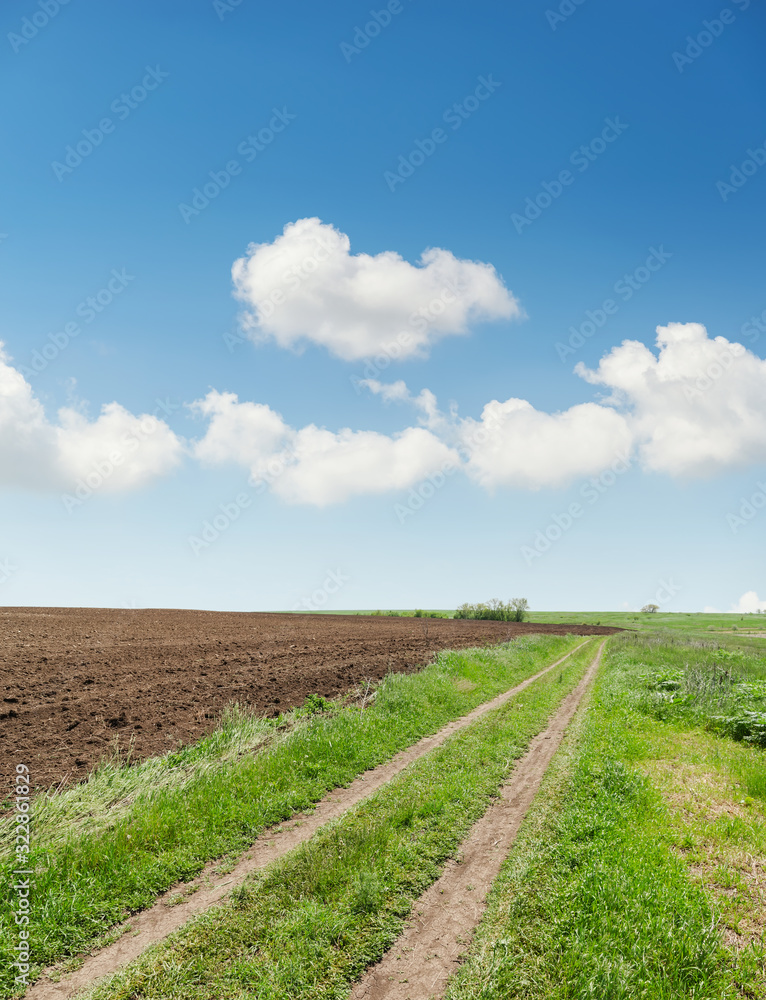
{"points": [[168, 913], [78, 683], [427, 953]]}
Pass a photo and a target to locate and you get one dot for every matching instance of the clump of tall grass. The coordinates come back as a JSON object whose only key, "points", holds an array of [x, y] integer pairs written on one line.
{"points": [[704, 684]]}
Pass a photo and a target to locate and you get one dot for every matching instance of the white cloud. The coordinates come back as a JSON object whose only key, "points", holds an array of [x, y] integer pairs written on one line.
{"points": [[749, 602], [306, 286], [313, 465], [27, 446], [134, 449], [249, 434], [36, 453], [698, 408], [329, 468], [513, 444], [398, 392]]}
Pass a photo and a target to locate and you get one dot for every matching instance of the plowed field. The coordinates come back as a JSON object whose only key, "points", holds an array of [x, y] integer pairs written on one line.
{"points": [[77, 683]]}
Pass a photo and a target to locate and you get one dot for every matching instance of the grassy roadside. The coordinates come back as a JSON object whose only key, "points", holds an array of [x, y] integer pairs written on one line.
{"points": [[716, 623], [90, 875], [726, 622], [310, 924], [639, 872]]}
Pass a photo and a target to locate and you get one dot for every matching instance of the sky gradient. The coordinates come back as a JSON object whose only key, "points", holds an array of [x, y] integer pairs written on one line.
{"points": [[352, 307]]}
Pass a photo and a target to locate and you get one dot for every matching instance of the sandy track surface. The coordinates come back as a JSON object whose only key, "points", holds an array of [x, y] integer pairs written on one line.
{"points": [[160, 920], [419, 964], [80, 683]]}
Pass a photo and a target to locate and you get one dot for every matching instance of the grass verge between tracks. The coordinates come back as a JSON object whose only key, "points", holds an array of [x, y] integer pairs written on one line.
{"points": [[204, 802], [640, 872]]}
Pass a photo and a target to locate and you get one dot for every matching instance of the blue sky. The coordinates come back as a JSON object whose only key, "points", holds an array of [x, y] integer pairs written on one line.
{"points": [[665, 115]]}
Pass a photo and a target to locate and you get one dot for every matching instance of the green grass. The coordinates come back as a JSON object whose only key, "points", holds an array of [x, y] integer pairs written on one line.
{"points": [[112, 788], [310, 924], [612, 888], [676, 621], [92, 871], [704, 684], [726, 623]]}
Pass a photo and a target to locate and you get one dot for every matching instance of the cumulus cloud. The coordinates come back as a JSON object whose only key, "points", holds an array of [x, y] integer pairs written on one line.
{"points": [[695, 409], [398, 392], [121, 450], [249, 434], [307, 287], [696, 406], [513, 444], [134, 449], [330, 467], [750, 601], [312, 465]]}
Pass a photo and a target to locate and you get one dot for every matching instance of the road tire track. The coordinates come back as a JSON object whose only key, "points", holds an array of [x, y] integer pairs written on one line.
{"points": [[163, 917], [427, 953]]}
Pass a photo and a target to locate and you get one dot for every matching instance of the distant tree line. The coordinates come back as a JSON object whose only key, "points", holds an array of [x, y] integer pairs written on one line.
{"points": [[495, 610]]}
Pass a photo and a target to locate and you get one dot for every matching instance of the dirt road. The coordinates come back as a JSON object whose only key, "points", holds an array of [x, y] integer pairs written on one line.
{"points": [[160, 920], [419, 964]]}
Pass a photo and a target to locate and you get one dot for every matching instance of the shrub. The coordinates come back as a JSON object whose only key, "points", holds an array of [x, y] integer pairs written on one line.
{"points": [[494, 610]]}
